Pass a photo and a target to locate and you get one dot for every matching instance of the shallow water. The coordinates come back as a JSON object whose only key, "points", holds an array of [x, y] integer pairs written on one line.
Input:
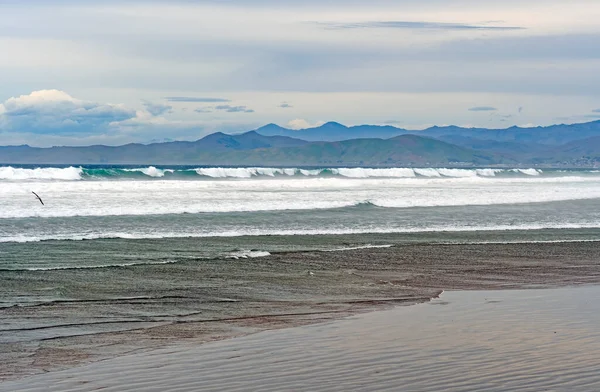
{"points": [[529, 340]]}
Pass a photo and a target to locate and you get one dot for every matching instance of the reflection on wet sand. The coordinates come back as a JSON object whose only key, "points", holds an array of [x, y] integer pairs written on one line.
{"points": [[528, 340]]}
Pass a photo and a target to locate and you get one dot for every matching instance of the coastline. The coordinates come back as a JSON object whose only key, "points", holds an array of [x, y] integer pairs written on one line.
{"points": [[422, 347], [279, 291]]}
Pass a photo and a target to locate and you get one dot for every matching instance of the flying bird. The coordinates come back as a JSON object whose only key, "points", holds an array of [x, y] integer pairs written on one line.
{"points": [[38, 197]]}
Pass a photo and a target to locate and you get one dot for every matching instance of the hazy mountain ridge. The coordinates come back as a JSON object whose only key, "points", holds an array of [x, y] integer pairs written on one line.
{"points": [[549, 135], [433, 147], [252, 148]]}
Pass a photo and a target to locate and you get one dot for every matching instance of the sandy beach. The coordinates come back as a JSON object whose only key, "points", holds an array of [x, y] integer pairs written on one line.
{"points": [[290, 289], [526, 340], [278, 195]]}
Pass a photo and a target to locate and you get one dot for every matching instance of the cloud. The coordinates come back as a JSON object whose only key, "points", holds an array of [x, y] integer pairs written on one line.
{"points": [[482, 109], [299, 123], [285, 105], [203, 110], [157, 109], [196, 99], [53, 117], [520, 109], [402, 24], [234, 109], [54, 111], [596, 111]]}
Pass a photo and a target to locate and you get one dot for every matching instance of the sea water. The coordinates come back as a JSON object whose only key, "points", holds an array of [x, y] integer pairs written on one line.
{"points": [[116, 249], [149, 202]]}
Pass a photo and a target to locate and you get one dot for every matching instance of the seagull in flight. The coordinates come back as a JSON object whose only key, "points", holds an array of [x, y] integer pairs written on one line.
{"points": [[38, 197]]}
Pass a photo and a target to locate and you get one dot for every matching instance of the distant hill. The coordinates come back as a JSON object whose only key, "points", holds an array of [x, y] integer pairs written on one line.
{"points": [[551, 135], [559, 145], [246, 141], [407, 150], [510, 148], [170, 152], [580, 153], [333, 131], [254, 149]]}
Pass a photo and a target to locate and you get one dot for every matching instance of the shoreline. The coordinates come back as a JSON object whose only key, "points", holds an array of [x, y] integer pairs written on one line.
{"points": [[276, 292], [404, 348]]}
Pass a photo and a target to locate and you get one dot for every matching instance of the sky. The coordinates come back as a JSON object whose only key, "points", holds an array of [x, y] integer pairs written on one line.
{"points": [[113, 72]]}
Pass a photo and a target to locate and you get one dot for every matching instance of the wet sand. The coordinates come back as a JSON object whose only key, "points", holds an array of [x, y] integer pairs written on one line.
{"points": [[207, 300], [529, 340]]}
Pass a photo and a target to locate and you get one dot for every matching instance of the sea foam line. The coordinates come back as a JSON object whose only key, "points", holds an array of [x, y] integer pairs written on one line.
{"points": [[124, 265], [368, 246], [81, 173], [301, 232]]}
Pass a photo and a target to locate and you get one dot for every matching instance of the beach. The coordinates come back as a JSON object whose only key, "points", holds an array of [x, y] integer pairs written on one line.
{"points": [[530, 340], [271, 195], [125, 262], [196, 302]]}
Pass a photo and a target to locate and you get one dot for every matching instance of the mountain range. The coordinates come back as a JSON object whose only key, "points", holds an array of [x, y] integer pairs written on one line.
{"points": [[550, 135], [334, 144]]}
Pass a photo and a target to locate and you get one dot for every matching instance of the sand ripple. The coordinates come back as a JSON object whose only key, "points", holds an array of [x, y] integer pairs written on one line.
{"points": [[481, 340]]}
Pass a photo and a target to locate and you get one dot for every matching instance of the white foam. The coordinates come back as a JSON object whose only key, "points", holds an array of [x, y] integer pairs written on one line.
{"points": [[315, 172], [367, 173], [529, 172], [47, 173], [123, 265], [73, 173], [210, 233], [134, 197], [459, 173], [428, 172], [369, 246], [152, 171], [488, 172], [249, 172], [248, 254]]}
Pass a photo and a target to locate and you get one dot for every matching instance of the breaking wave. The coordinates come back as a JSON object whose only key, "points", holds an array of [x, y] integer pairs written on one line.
{"points": [[78, 267], [151, 172], [248, 254], [46, 173], [245, 254]]}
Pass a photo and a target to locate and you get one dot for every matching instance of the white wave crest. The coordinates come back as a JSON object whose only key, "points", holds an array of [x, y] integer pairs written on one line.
{"points": [[46, 173], [248, 254], [366, 173], [310, 172], [151, 171], [488, 172], [368, 246], [307, 232], [123, 265], [414, 172], [75, 173], [529, 172], [244, 172]]}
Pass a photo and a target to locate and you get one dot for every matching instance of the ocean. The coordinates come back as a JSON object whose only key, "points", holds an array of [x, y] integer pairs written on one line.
{"points": [[119, 250], [137, 203]]}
